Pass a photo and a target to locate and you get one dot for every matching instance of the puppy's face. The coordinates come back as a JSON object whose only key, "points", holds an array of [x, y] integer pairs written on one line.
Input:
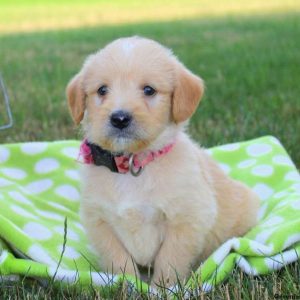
{"points": [[130, 92]]}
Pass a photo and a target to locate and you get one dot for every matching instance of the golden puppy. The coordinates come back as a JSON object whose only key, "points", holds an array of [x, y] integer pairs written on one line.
{"points": [[151, 196]]}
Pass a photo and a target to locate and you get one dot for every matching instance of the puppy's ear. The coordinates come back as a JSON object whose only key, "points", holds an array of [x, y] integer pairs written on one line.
{"points": [[188, 91], [76, 98]]}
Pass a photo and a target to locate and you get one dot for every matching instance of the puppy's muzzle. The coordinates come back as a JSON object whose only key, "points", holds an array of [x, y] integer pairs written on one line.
{"points": [[120, 119]]}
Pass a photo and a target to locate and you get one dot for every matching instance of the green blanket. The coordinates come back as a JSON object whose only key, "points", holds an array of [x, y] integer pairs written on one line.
{"points": [[41, 235]]}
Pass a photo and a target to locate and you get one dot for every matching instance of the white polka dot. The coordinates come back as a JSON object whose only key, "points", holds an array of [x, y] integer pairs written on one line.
{"points": [[24, 213], [60, 229], [100, 279], [272, 264], [236, 243], [67, 191], [206, 287], [219, 255], [69, 252], [71, 152], [258, 149], [281, 194], [37, 231], [272, 221], [39, 186], [262, 211], [39, 254], [246, 267], [79, 226], [263, 191], [174, 289], [262, 170], [229, 147], [255, 247], [209, 152], [50, 215], [264, 235], [291, 240], [14, 173], [4, 154], [260, 249], [278, 261], [34, 148], [247, 163], [70, 233], [274, 141], [292, 175], [282, 160], [58, 206], [225, 168], [283, 203], [64, 275], [9, 278], [296, 187], [46, 165], [19, 197], [295, 205], [3, 256], [4, 182], [73, 174], [92, 250]]}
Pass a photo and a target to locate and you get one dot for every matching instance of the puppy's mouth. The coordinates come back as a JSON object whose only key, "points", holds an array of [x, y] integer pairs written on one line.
{"points": [[122, 139], [125, 140], [129, 133]]}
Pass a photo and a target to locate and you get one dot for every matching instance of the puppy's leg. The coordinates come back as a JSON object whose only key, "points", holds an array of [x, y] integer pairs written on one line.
{"points": [[113, 255], [178, 253]]}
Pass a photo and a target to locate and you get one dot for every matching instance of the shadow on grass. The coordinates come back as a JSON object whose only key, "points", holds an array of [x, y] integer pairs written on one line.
{"points": [[250, 66]]}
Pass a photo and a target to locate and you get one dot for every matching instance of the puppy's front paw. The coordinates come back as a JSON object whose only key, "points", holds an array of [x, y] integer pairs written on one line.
{"points": [[122, 266], [165, 276]]}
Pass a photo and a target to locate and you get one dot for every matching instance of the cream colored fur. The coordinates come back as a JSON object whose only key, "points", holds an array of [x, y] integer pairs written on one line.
{"points": [[182, 207]]}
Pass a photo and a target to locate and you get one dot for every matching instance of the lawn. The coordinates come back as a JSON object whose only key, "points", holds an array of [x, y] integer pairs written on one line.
{"points": [[248, 53]]}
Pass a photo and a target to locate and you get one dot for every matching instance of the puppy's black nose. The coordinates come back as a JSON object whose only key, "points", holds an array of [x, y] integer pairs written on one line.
{"points": [[120, 119]]}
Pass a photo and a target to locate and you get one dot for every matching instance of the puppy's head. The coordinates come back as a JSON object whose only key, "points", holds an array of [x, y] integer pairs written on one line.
{"points": [[130, 92]]}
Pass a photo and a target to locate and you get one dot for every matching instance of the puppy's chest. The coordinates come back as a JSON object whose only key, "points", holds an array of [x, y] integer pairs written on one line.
{"points": [[131, 201], [136, 217]]}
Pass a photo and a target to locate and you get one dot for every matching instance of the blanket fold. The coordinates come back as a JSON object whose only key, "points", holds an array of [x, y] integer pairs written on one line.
{"points": [[39, 190]]}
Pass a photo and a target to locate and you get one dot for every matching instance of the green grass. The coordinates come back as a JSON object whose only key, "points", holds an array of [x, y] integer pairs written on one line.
{"points": [[248, 55], [37, 15], [284, 283], [250, 66]]}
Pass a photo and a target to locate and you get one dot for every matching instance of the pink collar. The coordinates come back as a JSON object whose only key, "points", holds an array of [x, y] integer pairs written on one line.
{"points": [[119, 163]]}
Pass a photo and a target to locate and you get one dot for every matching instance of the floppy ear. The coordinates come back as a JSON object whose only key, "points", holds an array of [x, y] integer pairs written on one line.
{"points": [[76, 98], [188, 91]]}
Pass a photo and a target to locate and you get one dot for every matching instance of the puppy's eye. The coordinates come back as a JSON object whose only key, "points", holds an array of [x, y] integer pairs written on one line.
{"points": [[149, 91], [103, 90]]}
